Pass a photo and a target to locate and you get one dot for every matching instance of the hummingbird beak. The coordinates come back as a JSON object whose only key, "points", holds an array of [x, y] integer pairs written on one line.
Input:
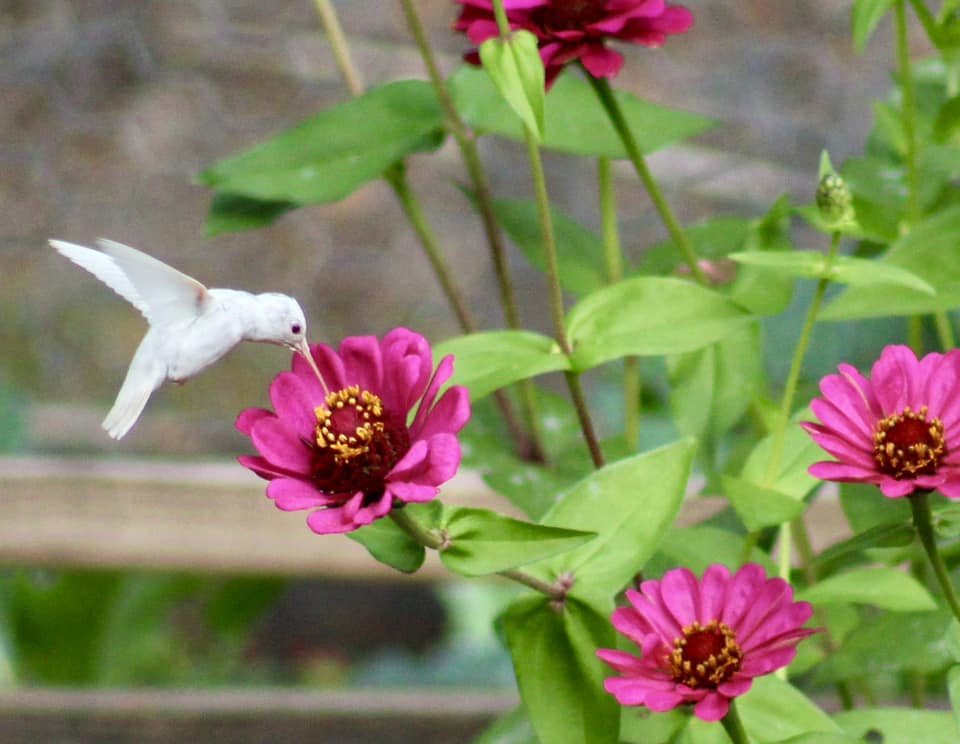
{"points": [[303, 348]]}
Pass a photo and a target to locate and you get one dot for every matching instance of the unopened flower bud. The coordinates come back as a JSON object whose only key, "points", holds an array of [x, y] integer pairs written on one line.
{"points": [[834, 199]]}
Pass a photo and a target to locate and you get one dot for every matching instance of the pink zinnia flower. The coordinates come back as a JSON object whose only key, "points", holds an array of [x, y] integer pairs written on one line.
{"points": [[569, 30], [704, 642], [898, 430], [354, 452]]}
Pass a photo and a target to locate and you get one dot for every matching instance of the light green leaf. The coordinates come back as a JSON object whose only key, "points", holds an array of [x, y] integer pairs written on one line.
{"points": [[953, 689], [514, 65], [490, 360], [842, 270], [389, 544], [866, 16], [484, 542], [900, 725], [335, 152], [879, 586], [589, 132], [758, 506], [791, 477], [559, 676], [629, 504], [701, 546], [927, 251], [774, 710], [648, 316]]}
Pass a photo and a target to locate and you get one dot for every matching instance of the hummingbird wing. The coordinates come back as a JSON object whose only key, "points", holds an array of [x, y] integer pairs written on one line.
{"points": [[105, 269], [169, 296]]}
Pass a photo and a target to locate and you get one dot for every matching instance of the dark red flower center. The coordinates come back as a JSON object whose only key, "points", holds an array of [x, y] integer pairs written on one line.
{"points": [[568, 15], [705, 656], [909, 444], [357, 443]]}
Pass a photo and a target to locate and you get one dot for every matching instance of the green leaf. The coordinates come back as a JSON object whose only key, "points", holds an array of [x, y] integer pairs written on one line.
{"points": [[892, 642], [865, 507], [648, 316], [490, 360], [866, 16], [640, 725], [713, 238], [579, 251], [389, 544], [516, 69], [900, 725], [484, 542], [791, 477], [879, 586], [953, 689], [701, 546], [335, 152], [511, 728], [842, 270], [951, 640], [888, 535], [774, 710], [559, 676], [929, 252], [234, 213], [588, 132], [629, 504], [758, 506], [710, 389], [759, 290]]}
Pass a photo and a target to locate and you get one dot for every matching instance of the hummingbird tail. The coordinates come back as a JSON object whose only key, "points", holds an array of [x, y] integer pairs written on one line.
{"points": [[145, 375]]}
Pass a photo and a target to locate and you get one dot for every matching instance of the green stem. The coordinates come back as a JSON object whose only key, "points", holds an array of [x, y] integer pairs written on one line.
{"points": [[556, 294], [338, 45], [734, 726], [793, 377], [397, 178], [948, 340], [908, 110], [532, 446], [605, 93], [500, 14], [920, 506], [431, 539], [613, 259]]}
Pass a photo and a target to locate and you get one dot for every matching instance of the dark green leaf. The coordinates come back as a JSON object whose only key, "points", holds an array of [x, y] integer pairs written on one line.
{"points": [[490, 360], [865, 507], [579, 251], [648, 316], [234, 213], [900, 725], [559, 675], [588, 132], [892, 534], [892, 642], [332, 154], [484, 542], [711, 239], [389, 544]]}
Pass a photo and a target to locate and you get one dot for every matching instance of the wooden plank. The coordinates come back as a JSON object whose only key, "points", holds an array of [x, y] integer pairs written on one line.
{"points": [[363, 716], [213, 516]]}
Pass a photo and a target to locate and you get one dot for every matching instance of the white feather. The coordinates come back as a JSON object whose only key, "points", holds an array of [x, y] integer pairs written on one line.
{"points": [[105, 269]]}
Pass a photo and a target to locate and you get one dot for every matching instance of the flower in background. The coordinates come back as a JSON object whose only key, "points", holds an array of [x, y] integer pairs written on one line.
{"points": [[703, 642], [570, 30], [898, 429], [353, 453]]}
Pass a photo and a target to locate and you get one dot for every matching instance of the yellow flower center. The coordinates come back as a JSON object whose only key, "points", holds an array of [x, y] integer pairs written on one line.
{"points": [[349, 422]]}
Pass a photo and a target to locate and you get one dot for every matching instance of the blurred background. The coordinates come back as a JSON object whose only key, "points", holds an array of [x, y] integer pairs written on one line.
{"points": [[155, 561]]}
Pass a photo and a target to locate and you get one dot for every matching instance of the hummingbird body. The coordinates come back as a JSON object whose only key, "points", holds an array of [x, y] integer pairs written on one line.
{"points": [[191, 327]]}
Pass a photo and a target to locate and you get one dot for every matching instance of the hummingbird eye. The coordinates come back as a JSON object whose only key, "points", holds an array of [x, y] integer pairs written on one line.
{"points": [[295, 329]]}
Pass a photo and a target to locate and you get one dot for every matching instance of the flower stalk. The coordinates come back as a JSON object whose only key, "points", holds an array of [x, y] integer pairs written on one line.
{"points": [[923, 523], [610, 104], [734, 726]]}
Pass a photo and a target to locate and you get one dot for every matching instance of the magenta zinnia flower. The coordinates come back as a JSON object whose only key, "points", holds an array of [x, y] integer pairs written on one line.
{"points": [[354, 453], [569, 30], [898, 430], [704, 642]]}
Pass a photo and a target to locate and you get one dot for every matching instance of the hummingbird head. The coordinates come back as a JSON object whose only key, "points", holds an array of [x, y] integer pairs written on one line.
{"points": [[280, 321]]}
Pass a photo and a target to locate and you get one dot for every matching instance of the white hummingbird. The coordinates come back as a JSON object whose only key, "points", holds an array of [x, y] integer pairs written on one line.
{"points": [[191, 327]]}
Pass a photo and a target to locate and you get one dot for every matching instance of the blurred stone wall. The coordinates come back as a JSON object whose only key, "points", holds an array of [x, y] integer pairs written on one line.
{"points": [[109, 108]]}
